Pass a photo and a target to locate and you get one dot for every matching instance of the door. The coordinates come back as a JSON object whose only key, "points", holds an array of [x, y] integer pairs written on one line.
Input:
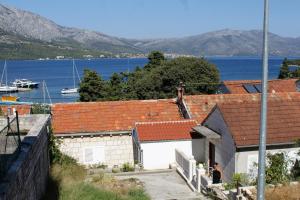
{"points": [[211, 154]]}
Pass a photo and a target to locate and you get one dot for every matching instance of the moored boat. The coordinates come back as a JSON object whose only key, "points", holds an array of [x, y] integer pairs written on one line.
{"points": [[9, 98], [5, 88], [25, 83], [8, 89], [73, 90], [69, 90]]}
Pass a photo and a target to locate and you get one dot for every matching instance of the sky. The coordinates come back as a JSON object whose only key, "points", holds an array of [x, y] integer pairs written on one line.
{"points": [[166, 18]]}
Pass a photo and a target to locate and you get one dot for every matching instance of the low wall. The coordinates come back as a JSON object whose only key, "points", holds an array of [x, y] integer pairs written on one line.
{"points": [[109, 150], [27, 176]]}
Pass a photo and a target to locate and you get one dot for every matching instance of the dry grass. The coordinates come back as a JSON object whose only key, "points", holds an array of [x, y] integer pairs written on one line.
{"points": [[70, 182], [288, 192], [121, 187]]}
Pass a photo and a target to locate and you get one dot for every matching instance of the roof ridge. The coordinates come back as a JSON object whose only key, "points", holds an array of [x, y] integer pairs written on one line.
{"points": [[112, 102], [166, 122]]}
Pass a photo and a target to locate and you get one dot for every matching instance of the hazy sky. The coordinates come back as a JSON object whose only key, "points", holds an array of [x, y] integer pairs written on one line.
{"points": [[166, 18]]}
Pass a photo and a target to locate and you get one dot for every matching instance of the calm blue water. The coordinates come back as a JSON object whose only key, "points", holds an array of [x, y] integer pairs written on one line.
{"points": [[58, 73]]}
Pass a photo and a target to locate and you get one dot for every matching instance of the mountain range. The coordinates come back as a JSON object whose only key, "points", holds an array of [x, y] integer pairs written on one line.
{"points": [[32, 34]]}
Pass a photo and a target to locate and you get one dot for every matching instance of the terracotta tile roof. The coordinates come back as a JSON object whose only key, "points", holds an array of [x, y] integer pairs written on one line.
{"points": [[277, 85], [111, 115], [243, 120], [171, 130], [22, 109], [199, 106]]}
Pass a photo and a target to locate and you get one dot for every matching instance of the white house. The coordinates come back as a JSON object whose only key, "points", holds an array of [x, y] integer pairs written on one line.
{"points": [[234, 138], [155, 142], [100, 132]]}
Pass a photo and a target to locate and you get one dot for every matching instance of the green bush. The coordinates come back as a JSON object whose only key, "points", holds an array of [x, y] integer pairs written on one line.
{"points": [[277, 168], [56, 156], [238, 179], [126, 167], [40, 109]]}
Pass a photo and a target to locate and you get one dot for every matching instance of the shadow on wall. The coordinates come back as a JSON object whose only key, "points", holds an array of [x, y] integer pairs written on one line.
{"points": [[198, 149], [52, 192]]}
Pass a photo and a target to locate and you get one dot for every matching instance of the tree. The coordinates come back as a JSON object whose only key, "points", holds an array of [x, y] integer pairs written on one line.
{"points": [[92, 87], [199, 75], [115, 87], [284, 70], [158, 79], [155, 59]]}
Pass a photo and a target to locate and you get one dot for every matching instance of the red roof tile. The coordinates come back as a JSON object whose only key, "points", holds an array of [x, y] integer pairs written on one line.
{"points": [[22, 109], [110, 116], [283, 120], [199, 106], [171, 130], [277, 85]]}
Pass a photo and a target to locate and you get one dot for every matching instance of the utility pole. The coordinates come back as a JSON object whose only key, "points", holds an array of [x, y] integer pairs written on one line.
{"points": [[263, 110]]}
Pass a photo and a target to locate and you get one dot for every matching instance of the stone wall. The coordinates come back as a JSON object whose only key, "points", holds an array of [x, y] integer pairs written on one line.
{"points": [[28, 174], [108, 150]]}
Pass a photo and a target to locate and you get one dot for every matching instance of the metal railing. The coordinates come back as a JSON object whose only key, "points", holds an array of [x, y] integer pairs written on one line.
{"points": [[10, 140]]}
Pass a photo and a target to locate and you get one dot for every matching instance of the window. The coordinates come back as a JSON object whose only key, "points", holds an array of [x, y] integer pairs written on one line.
{"points": [[94, 155]]}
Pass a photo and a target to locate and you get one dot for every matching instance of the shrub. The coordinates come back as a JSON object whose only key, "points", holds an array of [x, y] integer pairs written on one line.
{"points": [[40, 109], [277, 168], [126, 167], [115, 170], [238, 179]]}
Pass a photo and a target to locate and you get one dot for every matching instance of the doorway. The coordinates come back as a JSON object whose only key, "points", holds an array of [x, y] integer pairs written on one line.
{"points": [[211, 154]]}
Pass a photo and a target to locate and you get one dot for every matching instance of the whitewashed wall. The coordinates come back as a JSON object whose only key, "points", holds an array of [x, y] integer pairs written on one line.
{"points": [[159, 155], [245, 160], [115, 150]]}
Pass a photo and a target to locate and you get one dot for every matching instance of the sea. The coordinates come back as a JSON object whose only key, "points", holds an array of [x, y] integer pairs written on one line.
{"points": [[58, 74]]}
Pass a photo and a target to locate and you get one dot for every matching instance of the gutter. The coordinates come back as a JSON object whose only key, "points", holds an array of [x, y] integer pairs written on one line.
{"points": [[269, 146], [112, 133]]}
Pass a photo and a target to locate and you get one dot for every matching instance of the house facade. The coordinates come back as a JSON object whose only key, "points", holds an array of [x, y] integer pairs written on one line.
{"points": [[101, 132], [155, 142], [237, 124]]}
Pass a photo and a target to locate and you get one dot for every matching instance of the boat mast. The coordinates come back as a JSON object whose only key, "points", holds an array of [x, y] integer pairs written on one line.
{"points": [[74, 72], [3, 72]]}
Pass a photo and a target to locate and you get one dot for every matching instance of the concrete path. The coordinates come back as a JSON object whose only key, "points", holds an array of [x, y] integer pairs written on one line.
{"points": [[165, 186]]}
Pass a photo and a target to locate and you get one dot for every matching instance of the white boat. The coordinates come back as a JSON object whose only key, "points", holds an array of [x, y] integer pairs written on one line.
{"points": [[69, 91], [74, 89], [25, 83], [4, 88], [8, 89]]}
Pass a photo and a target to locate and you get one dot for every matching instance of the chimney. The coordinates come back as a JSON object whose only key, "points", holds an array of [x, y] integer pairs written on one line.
{"points": [[180, 92]]}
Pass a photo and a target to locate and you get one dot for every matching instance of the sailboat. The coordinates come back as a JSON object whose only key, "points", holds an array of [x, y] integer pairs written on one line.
{"points": [[74, 89], [4, 88]]}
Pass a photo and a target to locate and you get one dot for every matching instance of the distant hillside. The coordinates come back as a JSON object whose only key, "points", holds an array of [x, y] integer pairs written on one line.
{"points": [[23, 34], [225, 43], [18, 47], [29, 25]]}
